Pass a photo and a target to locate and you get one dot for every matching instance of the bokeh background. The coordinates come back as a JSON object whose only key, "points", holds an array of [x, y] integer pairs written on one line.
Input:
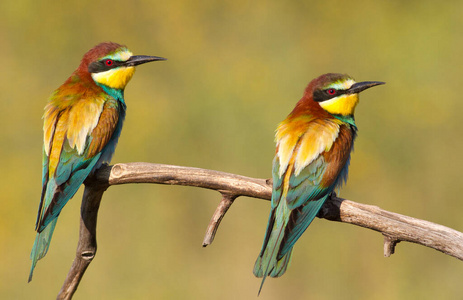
{"points": [[236, 69]]}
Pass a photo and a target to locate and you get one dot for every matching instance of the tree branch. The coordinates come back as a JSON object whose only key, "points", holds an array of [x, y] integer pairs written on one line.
{"points": [[394, 227], [86, 248]]}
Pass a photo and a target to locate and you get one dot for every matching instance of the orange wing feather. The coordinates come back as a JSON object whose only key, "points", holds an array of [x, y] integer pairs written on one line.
{"points": [[104, 130]]}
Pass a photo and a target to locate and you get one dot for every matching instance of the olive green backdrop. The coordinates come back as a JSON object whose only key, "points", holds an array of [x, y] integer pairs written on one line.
{"points": [[236, 69]]}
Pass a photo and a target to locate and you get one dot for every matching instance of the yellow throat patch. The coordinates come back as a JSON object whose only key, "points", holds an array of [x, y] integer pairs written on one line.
{"points": [[115, 78], [342, 105]]}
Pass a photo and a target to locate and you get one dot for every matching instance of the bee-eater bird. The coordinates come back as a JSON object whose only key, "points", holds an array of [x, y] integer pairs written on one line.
{"points": [[312, 156], [82, 124]]}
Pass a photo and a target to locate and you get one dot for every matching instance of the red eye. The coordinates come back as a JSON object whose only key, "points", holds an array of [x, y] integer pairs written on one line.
{"points": [[108, 62], [331, 91]]}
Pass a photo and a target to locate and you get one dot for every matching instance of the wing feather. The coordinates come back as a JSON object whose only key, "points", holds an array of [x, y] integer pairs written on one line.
{"points": [[78, 136], [101, 135]]}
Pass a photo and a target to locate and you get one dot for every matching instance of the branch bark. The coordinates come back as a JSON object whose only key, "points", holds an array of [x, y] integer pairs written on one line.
{"points": [[86, 248], [394, 227]]}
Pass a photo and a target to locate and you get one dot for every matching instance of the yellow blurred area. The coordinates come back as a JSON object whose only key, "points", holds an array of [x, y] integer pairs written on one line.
{"points": [[235, 69]]}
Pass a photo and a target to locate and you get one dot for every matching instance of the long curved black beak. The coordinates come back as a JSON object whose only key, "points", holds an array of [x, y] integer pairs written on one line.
{"points": [[361, 86], [141, 59]]}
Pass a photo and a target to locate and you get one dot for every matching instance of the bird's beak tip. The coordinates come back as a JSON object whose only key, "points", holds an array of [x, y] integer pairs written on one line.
{"points": [[155, 58]]}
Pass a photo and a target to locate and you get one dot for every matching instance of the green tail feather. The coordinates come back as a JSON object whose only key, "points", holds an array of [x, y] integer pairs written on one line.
{"points": [[263, 269], [41, 244], [278, 269], [282, 265], [268, 263]]}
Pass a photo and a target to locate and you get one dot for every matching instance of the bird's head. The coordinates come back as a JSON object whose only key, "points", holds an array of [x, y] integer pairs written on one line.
{"points": [[112, 65], [337, 93]]}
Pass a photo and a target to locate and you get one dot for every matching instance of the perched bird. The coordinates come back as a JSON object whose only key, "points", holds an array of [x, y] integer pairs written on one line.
{"points": [[82, 124], [312, 156]]}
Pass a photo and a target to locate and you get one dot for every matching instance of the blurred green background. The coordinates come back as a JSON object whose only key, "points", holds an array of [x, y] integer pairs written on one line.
{"points": [[236, 69]]}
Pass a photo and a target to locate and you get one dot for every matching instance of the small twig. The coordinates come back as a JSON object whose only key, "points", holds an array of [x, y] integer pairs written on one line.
{"points": [[389, 245], [222, 208], [394, 226]]}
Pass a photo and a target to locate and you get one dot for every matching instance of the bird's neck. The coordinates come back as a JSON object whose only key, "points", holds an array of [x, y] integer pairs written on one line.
{"points": [[117, 94], [349, 119]]}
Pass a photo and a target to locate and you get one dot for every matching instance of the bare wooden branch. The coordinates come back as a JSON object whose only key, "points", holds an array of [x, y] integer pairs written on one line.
{"points": [[176, 175], [394, 227], [86, 248]]}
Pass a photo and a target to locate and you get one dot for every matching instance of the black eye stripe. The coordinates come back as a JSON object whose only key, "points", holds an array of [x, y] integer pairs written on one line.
{"points": [[323, 95], [100, 65]]}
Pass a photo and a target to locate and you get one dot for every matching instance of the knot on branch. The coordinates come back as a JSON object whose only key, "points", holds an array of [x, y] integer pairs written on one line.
{"points": [[88, 255], [117, 170]]}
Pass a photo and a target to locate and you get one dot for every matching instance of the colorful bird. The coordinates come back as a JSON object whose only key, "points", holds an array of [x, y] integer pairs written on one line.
{"points": [[312, 157], [82, 124]]}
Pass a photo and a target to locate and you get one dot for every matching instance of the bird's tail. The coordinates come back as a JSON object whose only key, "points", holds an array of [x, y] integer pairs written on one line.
{"points": [[41, 244], [269, 263]]}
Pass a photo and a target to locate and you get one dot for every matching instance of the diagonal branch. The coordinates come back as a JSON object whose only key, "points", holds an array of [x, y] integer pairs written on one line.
{"points": [[222, 208], [394, 227]]}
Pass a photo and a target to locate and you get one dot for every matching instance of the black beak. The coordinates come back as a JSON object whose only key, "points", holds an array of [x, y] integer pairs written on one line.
{"points": [[141, 59], [361, 86]]}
